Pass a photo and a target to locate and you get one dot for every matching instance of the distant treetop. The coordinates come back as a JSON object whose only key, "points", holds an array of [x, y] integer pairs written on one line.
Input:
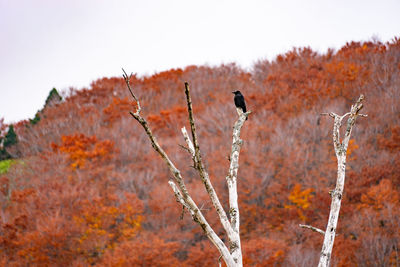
{"points": [[53, 97]]}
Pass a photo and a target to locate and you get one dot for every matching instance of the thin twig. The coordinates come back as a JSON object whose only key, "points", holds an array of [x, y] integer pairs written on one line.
{"points": [[184, 148], [183, 212], [343, 116], [127, 81], [331, 114], [315, 229]]}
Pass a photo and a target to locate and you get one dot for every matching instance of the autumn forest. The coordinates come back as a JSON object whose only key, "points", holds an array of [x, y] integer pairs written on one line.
{"points": [[81, 185]]}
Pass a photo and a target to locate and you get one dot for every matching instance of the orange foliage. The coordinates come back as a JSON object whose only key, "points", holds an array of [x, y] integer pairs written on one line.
{"points": [[141, 252], [81, 148], [380, 195]]}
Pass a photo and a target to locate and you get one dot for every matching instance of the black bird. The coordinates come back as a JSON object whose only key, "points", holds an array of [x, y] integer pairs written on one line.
{"points": [[239, 102]]}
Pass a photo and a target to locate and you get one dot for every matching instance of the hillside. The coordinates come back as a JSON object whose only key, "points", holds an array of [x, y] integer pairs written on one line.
{"points": [[85, 187]]}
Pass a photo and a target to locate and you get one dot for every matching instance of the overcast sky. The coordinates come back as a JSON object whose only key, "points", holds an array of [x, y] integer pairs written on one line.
{"points": [[70, 43]]}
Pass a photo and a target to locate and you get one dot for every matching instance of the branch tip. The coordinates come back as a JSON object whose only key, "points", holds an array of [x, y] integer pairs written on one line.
{"points": [[330, 114], [312, 228], [127, 81]]}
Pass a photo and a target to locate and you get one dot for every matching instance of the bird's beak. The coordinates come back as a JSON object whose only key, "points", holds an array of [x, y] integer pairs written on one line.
{"points": [[233, 92]]}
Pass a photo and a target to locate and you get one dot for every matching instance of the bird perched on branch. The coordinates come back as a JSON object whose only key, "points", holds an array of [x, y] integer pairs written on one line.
{"points": [[239, 102]]}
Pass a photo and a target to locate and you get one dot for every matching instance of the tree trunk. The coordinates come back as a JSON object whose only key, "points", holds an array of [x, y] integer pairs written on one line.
{"points": [[337, 193]]}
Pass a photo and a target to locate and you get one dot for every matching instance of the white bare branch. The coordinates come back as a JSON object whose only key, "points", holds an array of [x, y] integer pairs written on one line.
{"points": [[188, 142], [231, 180], [199, 166], [337, 193], [233, 255], [178, 195], [315, 229]]}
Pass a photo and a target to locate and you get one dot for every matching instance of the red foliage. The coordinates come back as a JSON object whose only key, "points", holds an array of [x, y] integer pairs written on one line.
{"points": [[391, 142], [146, 250]]}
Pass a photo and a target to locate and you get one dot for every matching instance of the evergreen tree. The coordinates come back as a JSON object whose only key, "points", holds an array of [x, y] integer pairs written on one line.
{"points": [[9, 139], [36, 119], [53, 97], [3, 153]]}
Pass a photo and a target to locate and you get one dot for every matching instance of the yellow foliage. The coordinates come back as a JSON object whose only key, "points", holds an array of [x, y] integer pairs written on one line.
{"points": [[104, 225], [300, 200], [279, 253]]}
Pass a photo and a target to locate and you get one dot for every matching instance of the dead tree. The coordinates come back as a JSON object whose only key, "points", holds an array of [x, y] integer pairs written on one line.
{"points": [[231, 254], [337, 193]]}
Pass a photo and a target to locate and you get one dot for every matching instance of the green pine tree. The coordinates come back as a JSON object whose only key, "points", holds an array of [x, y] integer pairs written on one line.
{"points": [[36, 119], [53, 96], [10, 138], [3, 153]]}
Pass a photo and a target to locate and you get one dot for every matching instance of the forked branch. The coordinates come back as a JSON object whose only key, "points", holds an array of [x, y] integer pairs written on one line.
{"points": [[233, 255], [128, 84], [337, 193], [199, 166]]}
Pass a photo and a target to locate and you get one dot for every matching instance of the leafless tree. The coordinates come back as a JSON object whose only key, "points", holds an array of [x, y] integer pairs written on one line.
{"points": [[337, 193], [231, 254]]}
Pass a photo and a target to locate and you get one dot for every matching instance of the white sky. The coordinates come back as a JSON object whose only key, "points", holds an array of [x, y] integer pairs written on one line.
{"points": [[70, 43]]}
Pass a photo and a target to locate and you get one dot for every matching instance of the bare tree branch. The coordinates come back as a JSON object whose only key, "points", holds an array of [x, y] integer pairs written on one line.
{"points": [[184, 148], [191, 121], [331, 114], [231, 180], [336, 194], [178, 195], [198, 163], [315, 229], [231, 258], [189, 143], [198, 217], [127, 81]]}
